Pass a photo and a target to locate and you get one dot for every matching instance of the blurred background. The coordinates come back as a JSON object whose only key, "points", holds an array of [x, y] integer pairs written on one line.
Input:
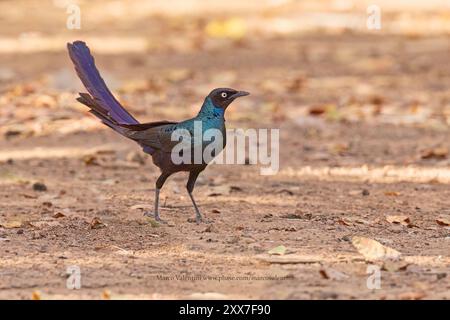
{"points": [[364, 117], [162, 57]]}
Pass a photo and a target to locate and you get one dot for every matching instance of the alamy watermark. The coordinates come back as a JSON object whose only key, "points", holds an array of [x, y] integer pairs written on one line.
{"points": [[373, 17], [200, 145], [74, 278], [374, 278], [73, 12]]}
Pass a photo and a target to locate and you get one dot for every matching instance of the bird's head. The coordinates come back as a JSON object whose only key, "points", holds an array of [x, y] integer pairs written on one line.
{"points": [[222, 97]]}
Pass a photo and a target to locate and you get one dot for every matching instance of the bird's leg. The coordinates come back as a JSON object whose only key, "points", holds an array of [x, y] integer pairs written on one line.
{"points": [[190, 187], [159, 184], [156, 213], [198, 216]]}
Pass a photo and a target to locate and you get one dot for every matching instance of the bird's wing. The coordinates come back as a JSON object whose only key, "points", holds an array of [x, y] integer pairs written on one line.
{"points": [[145, 126], [160, 136], [157, 137]]}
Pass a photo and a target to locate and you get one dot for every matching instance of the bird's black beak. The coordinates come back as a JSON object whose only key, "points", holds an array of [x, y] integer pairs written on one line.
{"points": [[239, 94]]}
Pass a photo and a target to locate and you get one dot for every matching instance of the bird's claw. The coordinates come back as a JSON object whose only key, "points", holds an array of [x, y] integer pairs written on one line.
{"points": [[156, 217]]}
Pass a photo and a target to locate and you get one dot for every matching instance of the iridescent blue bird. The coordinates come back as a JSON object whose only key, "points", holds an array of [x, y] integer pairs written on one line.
{"points": [[154, 137]]}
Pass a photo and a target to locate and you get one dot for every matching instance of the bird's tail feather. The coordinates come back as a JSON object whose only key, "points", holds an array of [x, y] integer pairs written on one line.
{"points": [[98, 111], [100, 99]]}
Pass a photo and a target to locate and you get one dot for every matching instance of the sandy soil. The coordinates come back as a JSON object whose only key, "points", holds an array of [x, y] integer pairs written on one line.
{"points": [[364, 135]]}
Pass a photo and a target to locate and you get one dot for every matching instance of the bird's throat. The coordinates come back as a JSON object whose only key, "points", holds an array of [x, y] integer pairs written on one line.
{"points": [[218, 111], [209, 109]]}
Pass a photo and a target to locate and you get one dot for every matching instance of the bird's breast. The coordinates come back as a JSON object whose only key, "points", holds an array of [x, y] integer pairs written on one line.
{"points": [[213, 129]]}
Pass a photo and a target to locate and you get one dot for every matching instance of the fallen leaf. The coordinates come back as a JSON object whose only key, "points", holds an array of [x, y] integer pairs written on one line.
{"points": [[36, 295], [339, 148], [392, 193], [286, 191], [403, 220], [344, 222], [434, 153], [280, 250], [373, 250], [411, 295], [96, 223], [332, 274], [59, 215], [11, 224], [233, 28], [106, 295], [394, 266], [317, 110], [43, 223], [29, 196], [90, 160], [443, 221], [352, 221], [235, 189]]}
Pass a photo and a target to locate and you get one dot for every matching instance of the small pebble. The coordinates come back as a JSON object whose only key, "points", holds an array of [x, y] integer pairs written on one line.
{"points": [[39, 186]]}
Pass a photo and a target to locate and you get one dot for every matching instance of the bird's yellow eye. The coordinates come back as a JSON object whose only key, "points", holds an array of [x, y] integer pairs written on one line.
{"points": [[224, 94]]}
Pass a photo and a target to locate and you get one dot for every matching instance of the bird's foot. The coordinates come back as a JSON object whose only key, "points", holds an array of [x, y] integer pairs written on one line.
{"points": [[156, 217]]}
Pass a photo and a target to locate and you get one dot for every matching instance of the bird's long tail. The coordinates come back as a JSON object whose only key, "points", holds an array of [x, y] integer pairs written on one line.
{"points": [[100, 100]]}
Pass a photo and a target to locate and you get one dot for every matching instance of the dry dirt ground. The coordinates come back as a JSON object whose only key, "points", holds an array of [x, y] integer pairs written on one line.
{"points": [[364, 140]]}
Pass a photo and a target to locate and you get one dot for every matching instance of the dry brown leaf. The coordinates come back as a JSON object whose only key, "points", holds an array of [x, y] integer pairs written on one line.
{"points": [[332, 274], [434, 153], [443, 221], [392, 193], [344, 222], [43, 223], [403, 220], [394, 266], [373, 250], [411, 295], [90, 160], [339, 149], [234, 28], [352, 221], [36, 295], [59, 215], [106, 295], [317, 110], [11, 224], [96, 223]]}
